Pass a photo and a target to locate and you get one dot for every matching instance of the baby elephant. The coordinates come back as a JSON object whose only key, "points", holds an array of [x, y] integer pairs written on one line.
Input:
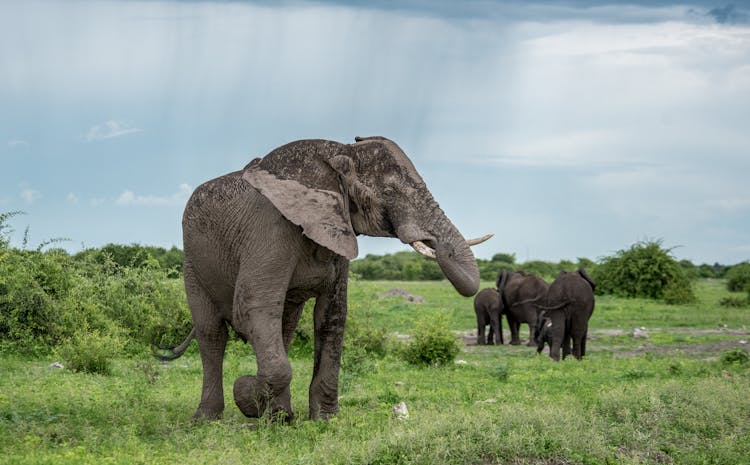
{"points": [[488, 307], [570, 303]]}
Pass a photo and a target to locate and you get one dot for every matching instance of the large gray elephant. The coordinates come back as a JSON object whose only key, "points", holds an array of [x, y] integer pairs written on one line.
{"points": [[261, 241], [488, 307], [565, 317], [522, 295]]}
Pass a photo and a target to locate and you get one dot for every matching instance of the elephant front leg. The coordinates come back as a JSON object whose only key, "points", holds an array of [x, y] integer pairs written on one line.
{"points": [[260, 320], [330, 318]]}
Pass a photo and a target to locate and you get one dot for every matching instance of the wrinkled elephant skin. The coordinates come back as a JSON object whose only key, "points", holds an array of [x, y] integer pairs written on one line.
{"points": [[565, 317], [261, 241]]}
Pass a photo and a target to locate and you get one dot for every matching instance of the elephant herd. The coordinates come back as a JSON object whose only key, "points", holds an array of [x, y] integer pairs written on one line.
{"points": [[557, 314]]}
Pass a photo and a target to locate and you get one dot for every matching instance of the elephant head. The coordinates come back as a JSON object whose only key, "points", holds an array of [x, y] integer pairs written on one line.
{"points": [[335, 192]]}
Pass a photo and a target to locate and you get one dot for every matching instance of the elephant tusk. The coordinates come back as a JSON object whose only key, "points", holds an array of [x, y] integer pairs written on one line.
{"points": [[473, 242], [424, 249]]}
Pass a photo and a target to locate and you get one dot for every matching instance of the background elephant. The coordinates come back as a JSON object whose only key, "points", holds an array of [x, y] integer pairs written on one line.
{"points": [[261, 241], [488, 307], [522, 295], [570, 303]]}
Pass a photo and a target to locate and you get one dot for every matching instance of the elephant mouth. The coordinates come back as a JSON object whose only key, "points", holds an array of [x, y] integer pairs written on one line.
{"points": [[427, 247]]}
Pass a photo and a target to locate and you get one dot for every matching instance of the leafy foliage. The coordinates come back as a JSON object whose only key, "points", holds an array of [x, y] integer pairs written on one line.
{"points": [[735, 302], [738, 277], [136, 256], [646, 270], [91, 352], [401, 266], [48, 298], [433, 344], [735, 356]]}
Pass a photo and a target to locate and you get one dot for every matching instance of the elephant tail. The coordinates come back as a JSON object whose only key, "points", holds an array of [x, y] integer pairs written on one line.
{"points": [[588, 278], [176, 351], [529, 301], [554, 307]]}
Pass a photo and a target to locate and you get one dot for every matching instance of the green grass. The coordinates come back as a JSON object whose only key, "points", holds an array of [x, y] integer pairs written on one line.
{"points": [[666, 399]]}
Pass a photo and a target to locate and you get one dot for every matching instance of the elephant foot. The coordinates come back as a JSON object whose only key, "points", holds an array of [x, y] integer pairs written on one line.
{"points": [[254, 399], [531, 344], [515, 342], [206, 413], [323, 408]]}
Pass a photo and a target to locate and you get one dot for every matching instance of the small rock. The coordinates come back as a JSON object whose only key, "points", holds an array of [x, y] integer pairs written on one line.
{"points": [[461, 362], [743, 341], [726, 374], [487, 401], [640, 333], [400, 412], [56, 365], [407, 296], [399, 383]]}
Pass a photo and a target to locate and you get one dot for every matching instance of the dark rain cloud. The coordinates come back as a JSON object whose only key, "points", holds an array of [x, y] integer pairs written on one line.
{"points": [[729, 14]]}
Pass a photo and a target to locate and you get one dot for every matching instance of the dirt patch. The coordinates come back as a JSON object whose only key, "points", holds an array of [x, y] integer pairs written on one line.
{"points": [[406, 295], [713, 349], [709, 350]]}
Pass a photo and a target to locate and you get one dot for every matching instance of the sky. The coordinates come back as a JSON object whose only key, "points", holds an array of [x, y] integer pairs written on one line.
{"points": [[566, 128]]}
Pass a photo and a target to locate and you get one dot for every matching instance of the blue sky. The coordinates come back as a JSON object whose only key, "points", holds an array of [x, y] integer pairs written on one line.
{"points": [[568, 129]]}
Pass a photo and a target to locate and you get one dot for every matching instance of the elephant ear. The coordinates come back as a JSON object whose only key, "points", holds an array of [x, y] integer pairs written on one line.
{"points": [[322, 214]]}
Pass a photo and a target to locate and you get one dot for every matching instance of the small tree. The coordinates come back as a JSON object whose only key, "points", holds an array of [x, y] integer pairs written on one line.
{"points": [[647, 270], [738, 277]]}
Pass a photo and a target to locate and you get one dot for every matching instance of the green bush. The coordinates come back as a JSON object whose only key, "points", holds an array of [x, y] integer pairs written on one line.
{"points": [[91, 352], [734, 302], [433, 344], [738, 277], [644, 270], [46, 296], [371, 339], [735, 356]]}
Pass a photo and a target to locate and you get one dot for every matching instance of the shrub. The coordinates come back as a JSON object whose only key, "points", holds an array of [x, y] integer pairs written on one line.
{"points": [[91, 351], [644, 270], [735, 356], [734, 302], [679, 291], [433, 344], [371, 339], [738, 277]]}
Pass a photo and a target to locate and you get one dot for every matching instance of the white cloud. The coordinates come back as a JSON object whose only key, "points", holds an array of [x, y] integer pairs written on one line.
{"points": [[109, 129], [30, 196], [17, 143], [129, 198], [576, 148], [732, 204], [72, 198]]}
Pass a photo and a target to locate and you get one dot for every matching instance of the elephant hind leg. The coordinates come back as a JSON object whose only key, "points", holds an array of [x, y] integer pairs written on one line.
{"points": [[261, 321], [211, 333]]}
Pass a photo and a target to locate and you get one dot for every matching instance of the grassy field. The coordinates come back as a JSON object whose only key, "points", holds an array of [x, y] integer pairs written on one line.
{"points": [[674, 397]]}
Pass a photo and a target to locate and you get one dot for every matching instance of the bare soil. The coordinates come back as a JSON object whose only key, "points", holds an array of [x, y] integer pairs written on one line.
{"points": [[709, 350]]}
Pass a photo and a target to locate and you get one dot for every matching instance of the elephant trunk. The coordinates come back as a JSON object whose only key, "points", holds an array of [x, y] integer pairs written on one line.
{"points": [[459, 265], [433, 235]]}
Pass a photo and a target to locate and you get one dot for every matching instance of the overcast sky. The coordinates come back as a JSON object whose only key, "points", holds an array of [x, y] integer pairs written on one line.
{"points": [[568, 129]]}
